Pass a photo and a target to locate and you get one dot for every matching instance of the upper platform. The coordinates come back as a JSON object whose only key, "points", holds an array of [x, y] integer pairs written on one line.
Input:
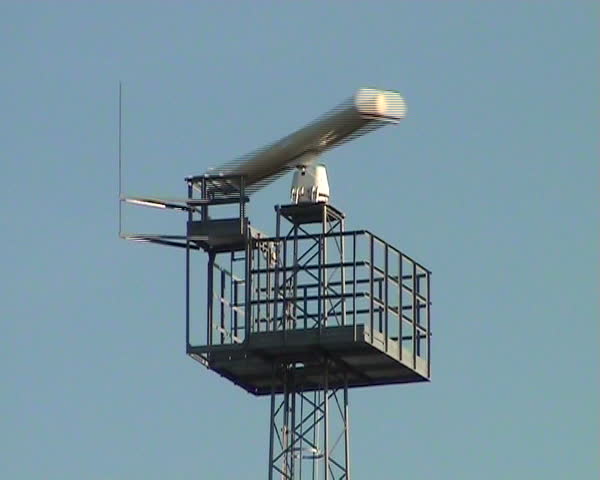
{"points": [[367, 359], [302, 213], [364, 309]]}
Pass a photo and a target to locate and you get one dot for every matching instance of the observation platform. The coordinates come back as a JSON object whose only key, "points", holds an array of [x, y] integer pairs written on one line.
{"points": [[352, 350], [303, 213]]}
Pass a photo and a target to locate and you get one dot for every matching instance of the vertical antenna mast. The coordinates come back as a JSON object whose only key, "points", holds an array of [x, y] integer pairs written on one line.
{"points": [[120, 159]]}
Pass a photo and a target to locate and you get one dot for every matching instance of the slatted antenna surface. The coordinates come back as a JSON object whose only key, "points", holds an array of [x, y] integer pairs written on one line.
{"points": [[367, 110]]}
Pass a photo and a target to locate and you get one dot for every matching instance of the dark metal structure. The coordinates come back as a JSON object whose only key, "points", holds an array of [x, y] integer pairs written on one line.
{"points": [[302, 316]]}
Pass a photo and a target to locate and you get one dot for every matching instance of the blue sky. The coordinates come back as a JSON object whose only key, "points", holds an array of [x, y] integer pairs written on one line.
{"points": [[491, 182]]}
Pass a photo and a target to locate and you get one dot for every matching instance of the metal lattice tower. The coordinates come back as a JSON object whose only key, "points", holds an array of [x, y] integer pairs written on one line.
{"points": [[302, 317], [309, 313], [309, 432]]}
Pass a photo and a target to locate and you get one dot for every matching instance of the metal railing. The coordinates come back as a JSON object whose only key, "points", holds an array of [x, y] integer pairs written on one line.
{"points": [[351, 278]]}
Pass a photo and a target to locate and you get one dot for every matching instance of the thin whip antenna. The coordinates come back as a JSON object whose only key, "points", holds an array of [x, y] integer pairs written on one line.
{"points": [[120, 159]]}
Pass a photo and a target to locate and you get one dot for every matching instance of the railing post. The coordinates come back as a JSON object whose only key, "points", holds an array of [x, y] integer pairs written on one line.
{"points": [[284, 288], [354, 313], [414, 313], [428, 326], [235, 302], [248, 284], [385, 297], [371, 287], [222, 306], [204, 196], [295, 279], [277, 261], [242, 205], [400, 306], [210, 297], [320, 282], [187, 273], [343, 276], [324, 279]]}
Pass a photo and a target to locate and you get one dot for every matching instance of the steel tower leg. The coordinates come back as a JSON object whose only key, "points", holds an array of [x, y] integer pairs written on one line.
{"points": [[309, 429]]}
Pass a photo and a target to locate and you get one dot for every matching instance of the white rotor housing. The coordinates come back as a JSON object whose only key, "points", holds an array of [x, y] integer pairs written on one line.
{"points": [[310, 184]]}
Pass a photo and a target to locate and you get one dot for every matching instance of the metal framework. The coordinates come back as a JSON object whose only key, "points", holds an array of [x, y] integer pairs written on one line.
{"points": [[302, 317], [309, 431]]}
